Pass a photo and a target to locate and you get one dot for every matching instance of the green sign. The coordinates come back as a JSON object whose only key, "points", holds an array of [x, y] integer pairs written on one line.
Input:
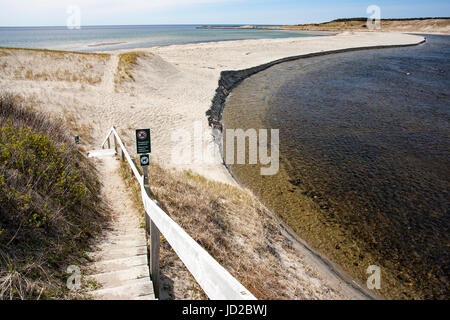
{"points": [[143, 141], [77, 139]]}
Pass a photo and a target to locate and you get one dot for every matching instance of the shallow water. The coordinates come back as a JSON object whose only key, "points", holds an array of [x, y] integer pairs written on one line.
{"points": [[100, 38], [365, 158]]}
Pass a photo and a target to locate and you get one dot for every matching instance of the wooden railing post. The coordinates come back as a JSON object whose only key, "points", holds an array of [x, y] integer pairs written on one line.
{"points": [[115, 140], [153, 231], [154, 256], [132, 159], [147, 190]]}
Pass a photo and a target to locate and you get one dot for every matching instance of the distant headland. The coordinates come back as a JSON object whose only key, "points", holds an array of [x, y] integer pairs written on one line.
{"points": [[423, 25]]}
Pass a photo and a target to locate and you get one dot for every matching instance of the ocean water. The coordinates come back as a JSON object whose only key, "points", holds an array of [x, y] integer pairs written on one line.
{"points": [[365, 159], [102, 38]]}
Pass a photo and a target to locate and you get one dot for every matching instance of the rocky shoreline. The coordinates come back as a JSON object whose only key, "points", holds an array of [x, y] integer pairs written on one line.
{"points": [[231, 79]]}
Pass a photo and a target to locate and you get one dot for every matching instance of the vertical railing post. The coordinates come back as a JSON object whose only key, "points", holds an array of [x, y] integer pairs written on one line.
{"points": [[153, 231], [154, 256], [115, 140], [147, 191], [131, 169]]}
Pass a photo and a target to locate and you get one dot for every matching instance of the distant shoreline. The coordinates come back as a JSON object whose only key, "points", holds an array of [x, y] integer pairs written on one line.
{"points": [[105, 44], [416, 25], [275, 28]]}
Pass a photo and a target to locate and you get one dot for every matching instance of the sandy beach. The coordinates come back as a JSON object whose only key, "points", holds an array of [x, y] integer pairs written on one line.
{"points": [[162, 88], [169, 88]]}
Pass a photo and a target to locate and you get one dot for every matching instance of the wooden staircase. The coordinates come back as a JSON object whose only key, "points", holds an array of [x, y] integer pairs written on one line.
{"points": [[121, 261]]}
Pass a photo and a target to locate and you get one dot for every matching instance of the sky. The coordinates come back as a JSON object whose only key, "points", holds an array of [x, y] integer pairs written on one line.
{"points": [[147, 12]]}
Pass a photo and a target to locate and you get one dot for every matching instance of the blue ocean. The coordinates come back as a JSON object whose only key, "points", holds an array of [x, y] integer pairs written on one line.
{"points": [[104, 38]]}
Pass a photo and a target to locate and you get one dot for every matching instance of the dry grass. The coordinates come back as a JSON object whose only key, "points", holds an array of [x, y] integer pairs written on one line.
{"points": [[236, 229], [419, 24], [78, 127], [59, 75], [47, 65], [346, 24], [103, 55], [49, 204], [127, 62]]}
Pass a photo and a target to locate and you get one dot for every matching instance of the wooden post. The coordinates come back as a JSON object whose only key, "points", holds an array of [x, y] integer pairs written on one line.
{"points": [[115, 140], [131, 170], [154, 257], [147, 190], [154, 240]]}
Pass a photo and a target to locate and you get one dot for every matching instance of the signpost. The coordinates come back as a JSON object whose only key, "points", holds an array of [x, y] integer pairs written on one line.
{"points": [[143, 148], [77, 139]]}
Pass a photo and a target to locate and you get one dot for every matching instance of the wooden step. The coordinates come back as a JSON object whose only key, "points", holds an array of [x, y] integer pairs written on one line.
{"points": [[117, 253], [133, 290], [119, 278], [123, 243], [120, 264]]}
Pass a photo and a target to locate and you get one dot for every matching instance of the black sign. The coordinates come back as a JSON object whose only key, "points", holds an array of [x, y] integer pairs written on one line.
{"points": [[77, 139], [145, 160], [143, 141]]}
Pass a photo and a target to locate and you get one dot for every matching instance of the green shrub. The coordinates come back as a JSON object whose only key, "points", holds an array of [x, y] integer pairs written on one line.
{"points": [[49, 203]]}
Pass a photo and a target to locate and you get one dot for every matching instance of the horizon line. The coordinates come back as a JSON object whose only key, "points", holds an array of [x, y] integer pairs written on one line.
{"points": [[208, 24]]}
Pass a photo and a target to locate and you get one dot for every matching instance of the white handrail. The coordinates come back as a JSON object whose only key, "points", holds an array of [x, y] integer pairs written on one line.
{"points": [[214, 279], [107, 137]]}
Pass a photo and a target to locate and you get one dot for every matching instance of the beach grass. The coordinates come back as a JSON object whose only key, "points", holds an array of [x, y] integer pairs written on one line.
{"points": [[127, 62], [50, 206], [51, 65], [231, 224]]}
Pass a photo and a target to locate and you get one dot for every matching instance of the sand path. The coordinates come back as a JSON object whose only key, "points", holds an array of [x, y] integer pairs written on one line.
{"points": [[108, 85]]}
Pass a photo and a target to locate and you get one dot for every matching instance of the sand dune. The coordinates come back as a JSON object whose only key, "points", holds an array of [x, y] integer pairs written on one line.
{"points": [[425, 25]]}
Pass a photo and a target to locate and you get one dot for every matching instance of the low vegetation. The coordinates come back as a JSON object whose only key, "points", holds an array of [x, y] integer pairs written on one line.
{"points": [[49, 204], [411, 24], [127, 62], [85, 68], [235, 228]]}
